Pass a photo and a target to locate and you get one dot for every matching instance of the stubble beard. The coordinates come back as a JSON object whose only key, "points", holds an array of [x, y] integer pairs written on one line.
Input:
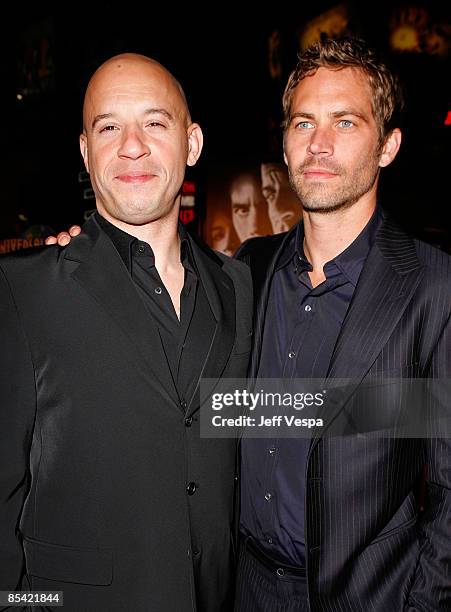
{"points": [[324, 198]]}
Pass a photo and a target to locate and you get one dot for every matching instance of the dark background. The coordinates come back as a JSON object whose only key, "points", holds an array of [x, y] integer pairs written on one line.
{"points": [[220, 57]]}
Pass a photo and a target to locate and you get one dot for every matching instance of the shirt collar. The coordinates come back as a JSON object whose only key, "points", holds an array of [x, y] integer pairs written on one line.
{"points": [[350, 261], [186, 251], [289, 251], [121, 240], [125, 243]]}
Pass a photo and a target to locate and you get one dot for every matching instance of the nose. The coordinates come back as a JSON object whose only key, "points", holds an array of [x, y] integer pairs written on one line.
{"points": [[321, 142], [252, 220], [261, 224], [133, 144]]}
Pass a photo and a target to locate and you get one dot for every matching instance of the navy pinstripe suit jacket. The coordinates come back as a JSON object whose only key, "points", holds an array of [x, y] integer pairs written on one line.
{"points": [[368, 546]]}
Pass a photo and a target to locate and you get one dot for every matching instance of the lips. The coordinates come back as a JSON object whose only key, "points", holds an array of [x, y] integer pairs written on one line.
{"points": [[318, 173], [135, 177]]}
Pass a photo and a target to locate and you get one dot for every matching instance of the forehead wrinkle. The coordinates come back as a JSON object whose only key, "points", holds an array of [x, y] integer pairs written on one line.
{"points": [[147, 112]]}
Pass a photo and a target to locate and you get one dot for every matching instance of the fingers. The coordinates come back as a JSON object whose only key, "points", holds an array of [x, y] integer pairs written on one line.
{"points": [[63, 238], [74, 230]]}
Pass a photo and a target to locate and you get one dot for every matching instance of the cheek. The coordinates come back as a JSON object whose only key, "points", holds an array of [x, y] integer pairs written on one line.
{"points": [[170, 156], [99, 160], [222, 242], [364, 163], [272, 212], [237, 221], [295, 159]]}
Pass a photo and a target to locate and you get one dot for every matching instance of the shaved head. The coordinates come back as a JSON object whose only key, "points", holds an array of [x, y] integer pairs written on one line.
{"points": [[135, 69]]}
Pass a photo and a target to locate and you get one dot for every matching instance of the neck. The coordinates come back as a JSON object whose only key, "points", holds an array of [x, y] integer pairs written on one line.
{"points": [[161, 234], [328, 235]]}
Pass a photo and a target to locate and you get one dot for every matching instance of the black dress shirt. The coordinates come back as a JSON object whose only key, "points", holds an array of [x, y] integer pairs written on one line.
{"points": [[302, 325], [185, 341]]}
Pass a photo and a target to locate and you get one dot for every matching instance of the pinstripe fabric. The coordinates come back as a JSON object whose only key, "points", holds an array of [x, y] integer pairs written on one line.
{"points": [[368, 549], [260, 590]]}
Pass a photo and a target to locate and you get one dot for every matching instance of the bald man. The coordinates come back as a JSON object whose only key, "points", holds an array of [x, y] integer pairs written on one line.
{"points": [[107, 491]]}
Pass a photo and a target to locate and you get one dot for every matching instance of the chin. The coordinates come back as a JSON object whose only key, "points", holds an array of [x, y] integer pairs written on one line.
{"points": [[142, 214]]}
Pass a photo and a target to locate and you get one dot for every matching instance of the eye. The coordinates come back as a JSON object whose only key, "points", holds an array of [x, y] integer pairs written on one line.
{"points": [[346, 123], [241, 210], [218, 233], [108, 128], [155, 124], [304, 125], [269, 193]]}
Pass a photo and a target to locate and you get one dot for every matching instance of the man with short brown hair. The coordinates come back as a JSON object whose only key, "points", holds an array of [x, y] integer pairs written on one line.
{"points": [[330, 522]]}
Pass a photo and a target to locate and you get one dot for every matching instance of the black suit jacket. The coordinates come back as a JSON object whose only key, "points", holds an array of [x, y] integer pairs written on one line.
{"points": [[96, 453], [367, 546]]}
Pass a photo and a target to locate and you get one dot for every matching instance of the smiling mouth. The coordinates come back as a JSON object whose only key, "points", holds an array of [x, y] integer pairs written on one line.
{"points": [[135, 177]]}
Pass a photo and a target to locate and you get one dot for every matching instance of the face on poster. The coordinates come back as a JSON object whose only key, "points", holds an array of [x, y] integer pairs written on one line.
{"points": [[247, 202]]}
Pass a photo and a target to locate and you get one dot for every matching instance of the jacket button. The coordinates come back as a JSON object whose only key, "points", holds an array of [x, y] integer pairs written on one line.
{"points": [[188, 421], [191, 488]]}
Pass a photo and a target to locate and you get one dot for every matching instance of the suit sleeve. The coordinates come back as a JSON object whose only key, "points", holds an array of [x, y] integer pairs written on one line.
{"points": [[431, 589], [17, 413]]}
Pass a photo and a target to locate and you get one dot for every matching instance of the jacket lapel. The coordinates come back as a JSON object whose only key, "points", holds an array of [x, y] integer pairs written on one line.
{"points": [[221, 297], [263, 304], [104, 276], [386, 285]]}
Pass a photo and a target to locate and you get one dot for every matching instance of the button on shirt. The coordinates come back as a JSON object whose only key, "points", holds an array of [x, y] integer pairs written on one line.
{"points": [[302, 325], [183, 339]]}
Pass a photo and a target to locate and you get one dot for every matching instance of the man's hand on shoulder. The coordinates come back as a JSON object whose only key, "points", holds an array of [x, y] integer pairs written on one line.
{"points": [[63, 238]]}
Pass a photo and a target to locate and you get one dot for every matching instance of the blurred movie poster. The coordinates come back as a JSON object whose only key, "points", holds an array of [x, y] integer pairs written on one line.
{"points": [[35, 60], [246, 201]]}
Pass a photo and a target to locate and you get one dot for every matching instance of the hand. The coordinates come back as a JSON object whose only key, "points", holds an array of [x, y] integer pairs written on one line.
{"points": [[64, 238]]}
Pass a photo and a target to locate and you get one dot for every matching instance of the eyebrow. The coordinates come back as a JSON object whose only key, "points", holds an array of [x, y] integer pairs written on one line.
{"points": [[148, 111], [337, 114]]}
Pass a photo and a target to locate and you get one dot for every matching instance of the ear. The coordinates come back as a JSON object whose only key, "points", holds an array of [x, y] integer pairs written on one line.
{"points": [[285, 157], [195, 143], [390, 148], [84, 150]]}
